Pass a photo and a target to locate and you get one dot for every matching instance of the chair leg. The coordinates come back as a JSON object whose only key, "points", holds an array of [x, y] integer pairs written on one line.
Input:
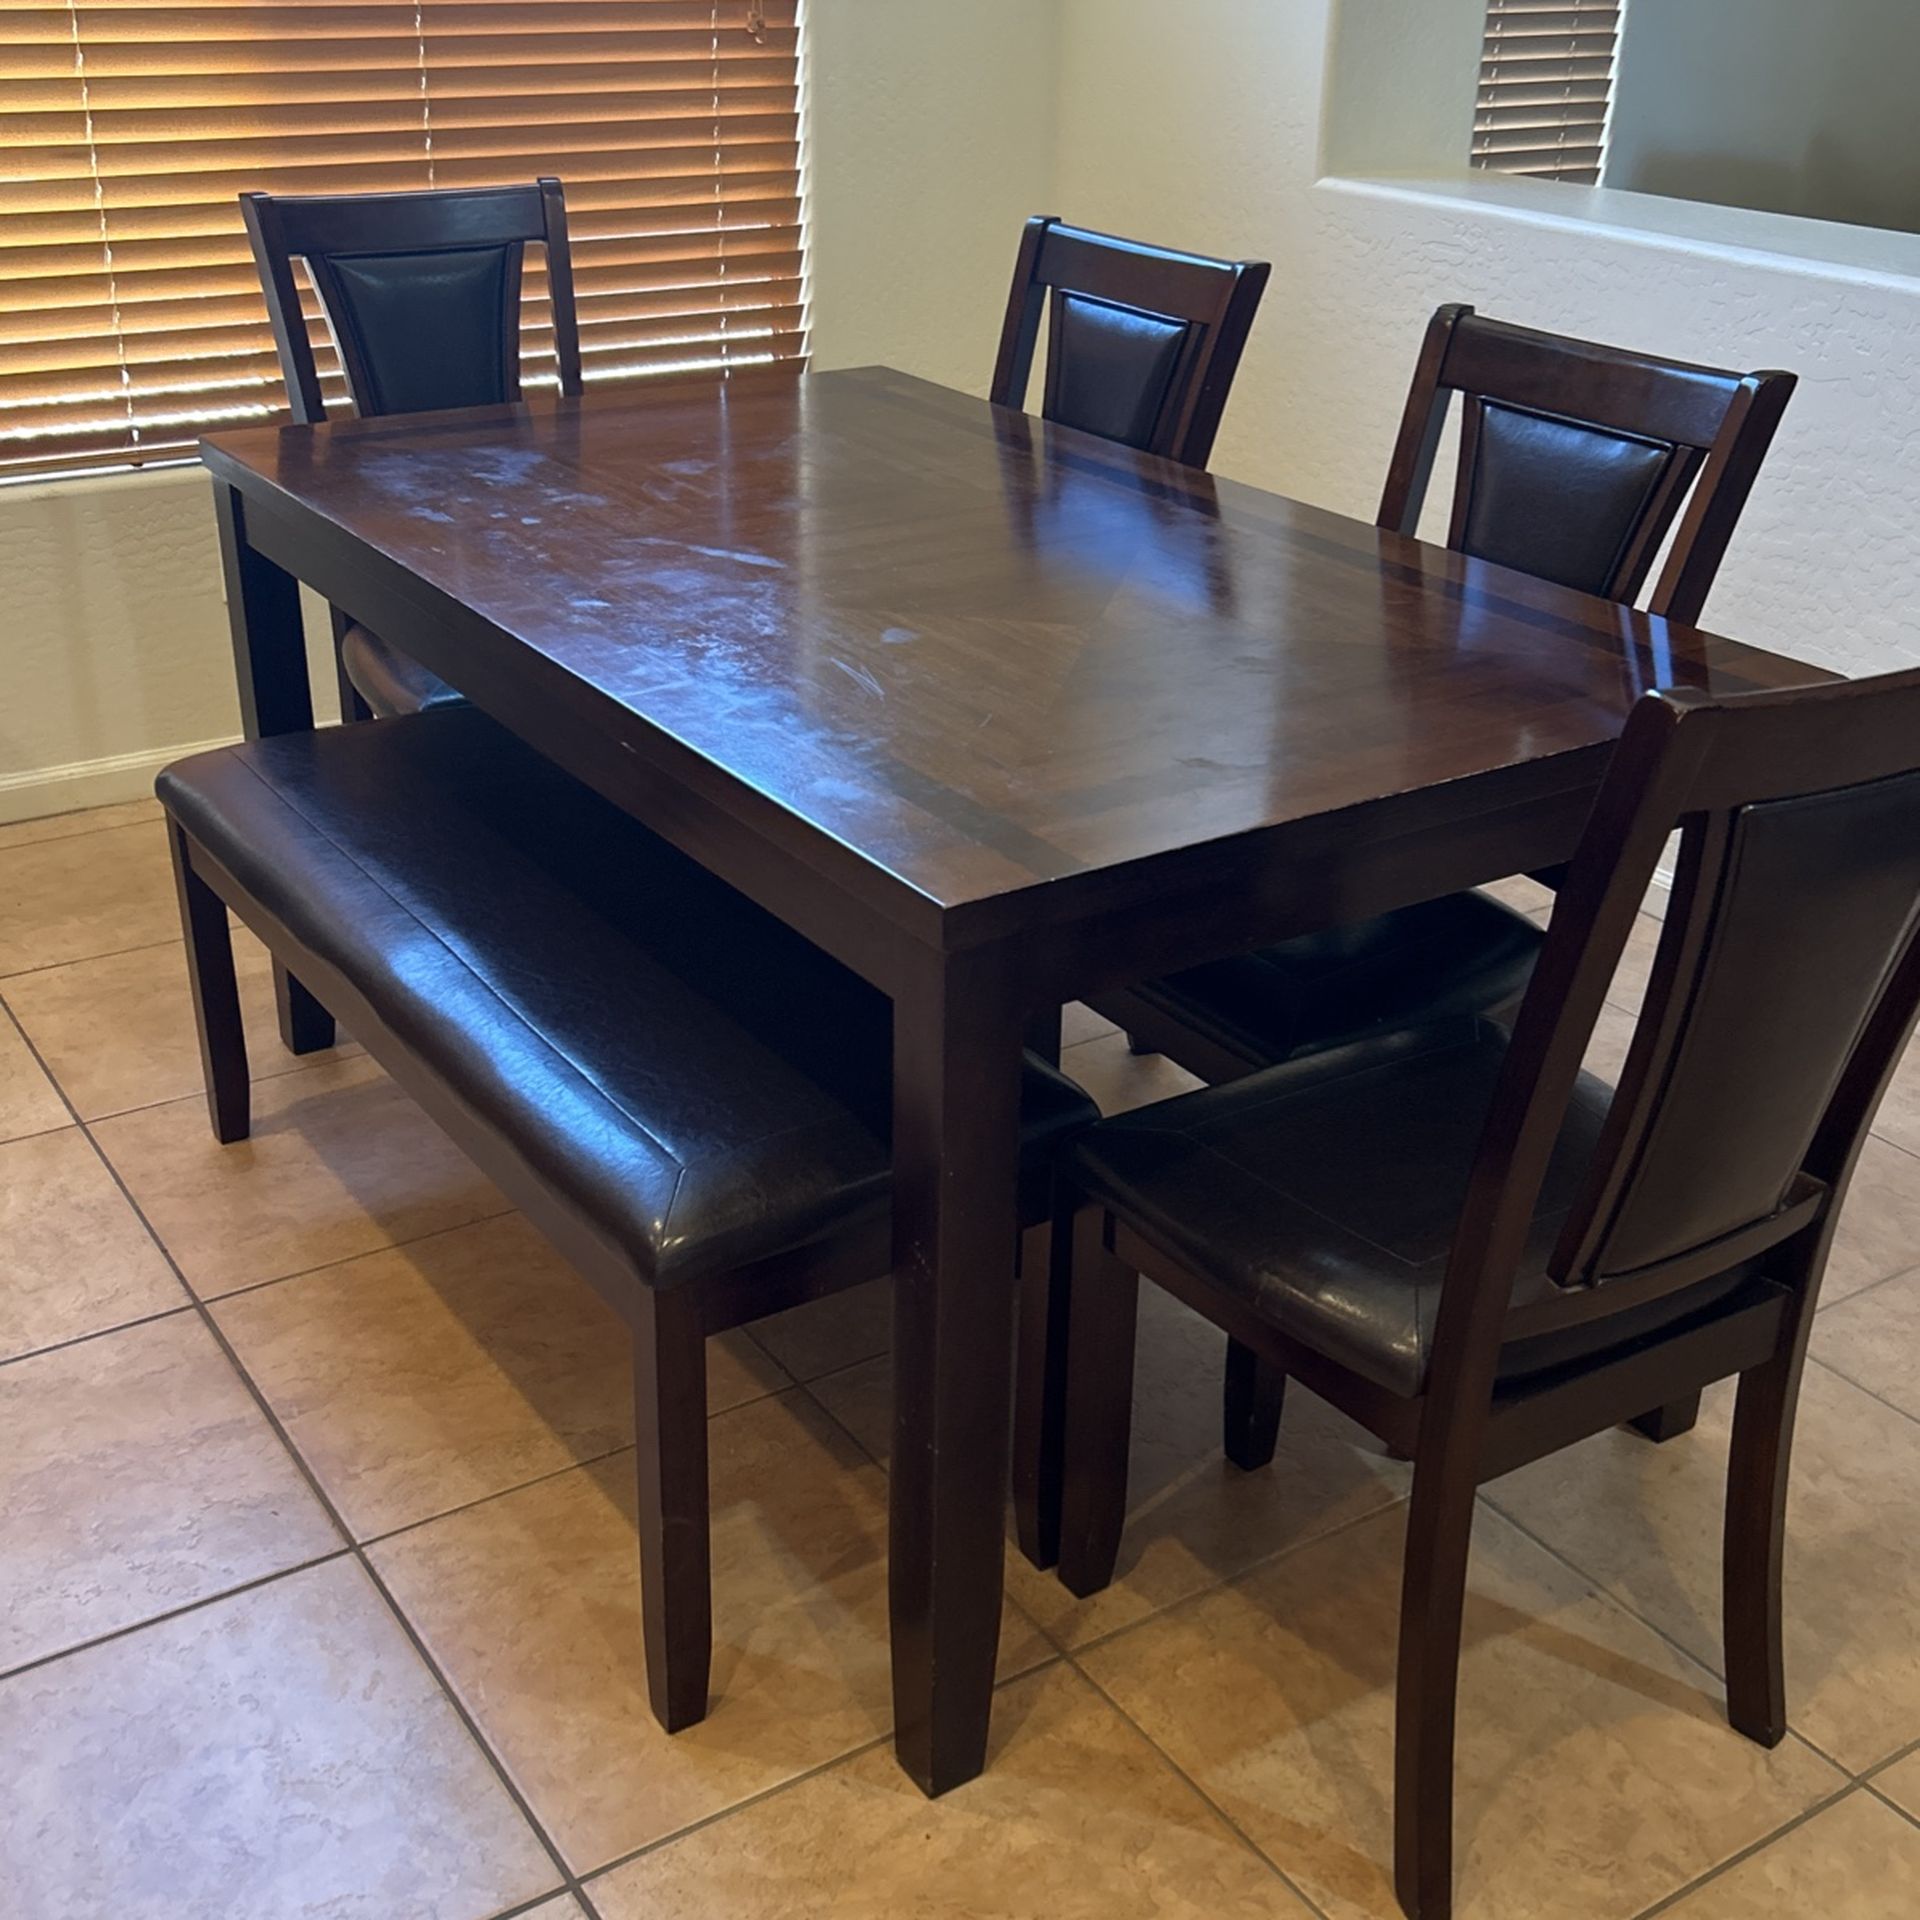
{"points": [[1102, 1319], [1039, 1403], [1669, 1422], [1255, 1392], [1754, 1547], [670, 1428], [1432, 1601], [216, 996], [353, 705], [1138, 1047], [305, 1025]]}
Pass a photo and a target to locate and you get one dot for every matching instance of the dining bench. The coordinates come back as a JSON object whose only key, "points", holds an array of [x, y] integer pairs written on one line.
{"points": [[691, 1101]]}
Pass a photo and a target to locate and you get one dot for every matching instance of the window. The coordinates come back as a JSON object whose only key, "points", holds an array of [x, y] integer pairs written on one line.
{"points": [[130, 315], [1546, 79]]}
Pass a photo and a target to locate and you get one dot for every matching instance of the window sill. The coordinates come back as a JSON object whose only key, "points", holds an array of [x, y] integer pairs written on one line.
{"points": [[1855, 254]]}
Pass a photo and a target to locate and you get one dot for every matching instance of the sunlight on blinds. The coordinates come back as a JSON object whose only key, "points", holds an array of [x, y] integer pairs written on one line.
{"points": [[130, 317]]}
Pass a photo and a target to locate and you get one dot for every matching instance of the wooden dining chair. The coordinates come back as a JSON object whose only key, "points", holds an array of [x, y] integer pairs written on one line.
{"points": [[1575, 462], [1484, 1254], [421, 292], [1142, 343]]}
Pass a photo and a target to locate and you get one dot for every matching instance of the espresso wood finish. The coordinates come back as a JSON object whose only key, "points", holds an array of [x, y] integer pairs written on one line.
{"points": [[1704, 432], [996, 713], [406, 232], [1143, 340], [415, 326], [1575, 460], [1580, 1252]]}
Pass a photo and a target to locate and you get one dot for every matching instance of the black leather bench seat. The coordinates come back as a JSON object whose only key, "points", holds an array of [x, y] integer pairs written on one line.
{"points": [[695, 1085]]}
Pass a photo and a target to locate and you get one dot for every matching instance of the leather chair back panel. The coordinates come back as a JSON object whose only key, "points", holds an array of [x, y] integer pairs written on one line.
{"points": [[1788, 946], [1577, 460], [420, 331], [1111, 368], [1143, 341], [1560, 499]]}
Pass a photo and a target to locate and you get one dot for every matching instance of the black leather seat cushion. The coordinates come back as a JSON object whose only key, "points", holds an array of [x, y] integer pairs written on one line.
{"points": [[703, 1087], [432, 329], [1464, 954], [1325, 1194], [389, 681], [1559, 499], [1114, 365]]}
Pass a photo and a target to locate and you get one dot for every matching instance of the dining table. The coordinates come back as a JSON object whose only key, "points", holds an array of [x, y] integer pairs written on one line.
{"points": [[997, 713]]}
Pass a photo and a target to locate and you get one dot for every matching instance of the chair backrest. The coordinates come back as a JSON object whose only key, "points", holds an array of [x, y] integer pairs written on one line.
{"points": [[422, 291], [1142, 344], [1785, 987], [1575, 459]]}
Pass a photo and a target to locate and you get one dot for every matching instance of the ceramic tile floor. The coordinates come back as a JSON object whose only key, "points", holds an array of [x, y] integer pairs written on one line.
{"points": [[317, 1589]]}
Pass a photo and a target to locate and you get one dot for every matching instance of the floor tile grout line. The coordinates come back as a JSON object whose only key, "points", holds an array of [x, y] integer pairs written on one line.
{"points": [[1062, 1649], [77, 813], [1860, 1386], [834, 1372], [1893, 1759], [779, 1787], [299, 1063], [554, 1473], [180, 1612], [1615, 1598], [98, 1333], [1887, 1140], [483, 1746], [1860, 1293], [521, 1908], [80, 959], [346, 1259], [740, 1806], [1200, 1793], [472, 1725], [1668, 1901], [1887, 1800], [1263, 1564]]}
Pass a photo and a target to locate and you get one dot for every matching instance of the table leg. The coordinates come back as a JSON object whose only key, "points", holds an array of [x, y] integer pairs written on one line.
{"points": [[276, 696], [956, 1115]]}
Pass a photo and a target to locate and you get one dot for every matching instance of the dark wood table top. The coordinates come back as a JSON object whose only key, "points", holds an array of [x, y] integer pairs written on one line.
{"points": [[977, 655]]}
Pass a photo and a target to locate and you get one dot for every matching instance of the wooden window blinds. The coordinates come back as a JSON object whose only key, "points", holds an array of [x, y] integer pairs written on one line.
{"points": [[130, 316], [1546, 78]]}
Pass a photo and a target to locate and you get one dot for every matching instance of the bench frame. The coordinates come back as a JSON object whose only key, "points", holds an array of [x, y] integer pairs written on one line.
{"points": [[669, 1326]]}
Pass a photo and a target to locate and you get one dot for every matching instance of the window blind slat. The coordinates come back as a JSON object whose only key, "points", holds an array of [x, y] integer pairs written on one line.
{"points": [[1546, 81], [130, 315]]}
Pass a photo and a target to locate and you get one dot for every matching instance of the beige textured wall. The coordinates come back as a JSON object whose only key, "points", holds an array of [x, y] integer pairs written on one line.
{"points": [[930, 141], [1201, 124]]}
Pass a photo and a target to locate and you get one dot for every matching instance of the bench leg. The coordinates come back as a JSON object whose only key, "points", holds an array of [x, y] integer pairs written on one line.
{"points": [[305, 1025], [670, 1429], [216, 995], [1254, 1395]]}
